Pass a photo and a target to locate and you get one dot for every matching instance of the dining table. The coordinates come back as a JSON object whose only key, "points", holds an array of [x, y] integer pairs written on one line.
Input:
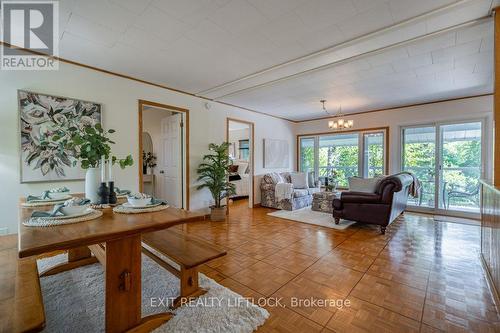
{"points": [[120, 235]]}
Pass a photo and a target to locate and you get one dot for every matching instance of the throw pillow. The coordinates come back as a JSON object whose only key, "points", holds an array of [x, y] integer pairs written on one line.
{"points": [[299, 180], [310, 179], [276, 178], [367, 185]]}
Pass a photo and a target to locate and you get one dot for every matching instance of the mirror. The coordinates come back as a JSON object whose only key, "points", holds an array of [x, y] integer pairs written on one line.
{"points": [[147, 143]]}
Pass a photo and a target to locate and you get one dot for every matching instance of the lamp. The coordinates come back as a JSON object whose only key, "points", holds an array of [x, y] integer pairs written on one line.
{"points": [[340, 123]]}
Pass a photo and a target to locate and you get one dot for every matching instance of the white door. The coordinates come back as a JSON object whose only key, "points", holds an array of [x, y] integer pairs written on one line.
{"points": [[171, 163]]}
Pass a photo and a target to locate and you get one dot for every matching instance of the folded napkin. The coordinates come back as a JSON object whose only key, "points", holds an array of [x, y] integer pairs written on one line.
{"points": [[155, 201], [55, 212], [45, 195], [121, 192]]}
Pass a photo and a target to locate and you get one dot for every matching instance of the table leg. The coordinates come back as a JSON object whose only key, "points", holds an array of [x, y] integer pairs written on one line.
{"points": [[77, 257], [123, 284]]}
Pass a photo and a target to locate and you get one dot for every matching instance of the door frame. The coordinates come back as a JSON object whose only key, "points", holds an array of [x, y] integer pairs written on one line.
{"points": [[251, 198], [185, 170], [437, 172]]}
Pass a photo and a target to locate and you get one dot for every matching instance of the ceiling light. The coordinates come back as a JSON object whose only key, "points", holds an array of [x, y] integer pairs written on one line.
{"points": [[339, 123]]}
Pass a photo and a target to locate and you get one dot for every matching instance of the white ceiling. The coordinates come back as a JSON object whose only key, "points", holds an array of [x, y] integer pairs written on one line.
{"points": [[200, 46]]}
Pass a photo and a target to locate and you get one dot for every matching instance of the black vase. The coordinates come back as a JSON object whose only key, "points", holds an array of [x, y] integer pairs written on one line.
{"points": [[103, 193], [112, 194], [144, 169]]}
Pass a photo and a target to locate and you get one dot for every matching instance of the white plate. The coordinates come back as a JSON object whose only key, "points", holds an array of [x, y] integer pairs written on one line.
{"points": [[128, 205], [51, 200], [86, 212]]}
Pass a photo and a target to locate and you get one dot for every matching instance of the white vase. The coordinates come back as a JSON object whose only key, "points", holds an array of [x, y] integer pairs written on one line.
{"points": [[92, 182]]}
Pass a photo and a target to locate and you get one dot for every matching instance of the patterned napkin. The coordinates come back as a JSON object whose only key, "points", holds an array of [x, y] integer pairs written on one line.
{"points": [[45, 195], [118, 191], [56, 211], [155, 201]]}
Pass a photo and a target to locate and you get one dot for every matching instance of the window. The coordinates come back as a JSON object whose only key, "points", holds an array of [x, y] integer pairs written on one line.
{"points": [[339, 157], [447, 159], [344, 155], [244, 149]]}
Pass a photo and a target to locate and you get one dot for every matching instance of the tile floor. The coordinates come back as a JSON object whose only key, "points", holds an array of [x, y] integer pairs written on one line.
{"points": [[422, 276]]}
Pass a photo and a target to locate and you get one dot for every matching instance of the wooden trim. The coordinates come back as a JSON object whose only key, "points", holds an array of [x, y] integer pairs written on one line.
{"points": [[489, 281], [143, 103], [394, 108], [386, 130], [252, 138], [496, 101]]}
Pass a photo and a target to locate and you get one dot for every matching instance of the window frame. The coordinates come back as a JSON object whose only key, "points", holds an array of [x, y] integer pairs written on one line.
{"points": [[361, 147]]}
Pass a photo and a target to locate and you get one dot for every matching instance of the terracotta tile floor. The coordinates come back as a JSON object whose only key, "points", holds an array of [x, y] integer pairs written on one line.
{"points": [[422, 276]]}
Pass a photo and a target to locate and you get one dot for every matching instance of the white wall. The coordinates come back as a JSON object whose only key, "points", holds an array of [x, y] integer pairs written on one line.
{"points": [[119, 98], [464, 109]]}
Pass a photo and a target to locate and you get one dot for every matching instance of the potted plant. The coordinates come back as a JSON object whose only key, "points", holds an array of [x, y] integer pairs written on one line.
{"points": [[148, 161], [213, 172], [90, 143], [331, 181]]}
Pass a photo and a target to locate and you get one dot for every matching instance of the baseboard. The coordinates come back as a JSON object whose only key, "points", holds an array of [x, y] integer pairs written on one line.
{"points": [[489, 280]]}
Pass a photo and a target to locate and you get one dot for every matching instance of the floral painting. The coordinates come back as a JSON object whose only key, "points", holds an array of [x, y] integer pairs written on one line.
{"points": [[45, 122]]}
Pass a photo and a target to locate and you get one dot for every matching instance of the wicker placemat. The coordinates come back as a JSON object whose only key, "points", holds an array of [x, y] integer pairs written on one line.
{"points": [[125, 210], [45, 222], [42, 203]]}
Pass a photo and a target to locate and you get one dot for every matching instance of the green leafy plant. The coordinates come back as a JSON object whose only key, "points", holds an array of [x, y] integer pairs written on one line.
{"points": [[213, 172], [90, 143]]}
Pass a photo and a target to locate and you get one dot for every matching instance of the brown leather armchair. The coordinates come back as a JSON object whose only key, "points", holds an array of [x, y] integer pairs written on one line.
{"points": [[381, 207]]}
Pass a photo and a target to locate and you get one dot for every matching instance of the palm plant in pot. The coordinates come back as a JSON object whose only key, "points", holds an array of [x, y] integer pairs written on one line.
{"points": [[213, 173]]}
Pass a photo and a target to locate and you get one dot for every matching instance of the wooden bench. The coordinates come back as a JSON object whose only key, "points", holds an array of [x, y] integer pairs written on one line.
{"points": [[21, 303], [187, 252]]}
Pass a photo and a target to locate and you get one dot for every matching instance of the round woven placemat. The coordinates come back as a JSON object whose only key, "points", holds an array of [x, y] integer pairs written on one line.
{"points": [[45, 222], [42, 203], [125, 210]]}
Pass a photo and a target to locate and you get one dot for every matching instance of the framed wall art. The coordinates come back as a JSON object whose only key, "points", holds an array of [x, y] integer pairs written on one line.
{"points": [[44, 122], [276, 154]]}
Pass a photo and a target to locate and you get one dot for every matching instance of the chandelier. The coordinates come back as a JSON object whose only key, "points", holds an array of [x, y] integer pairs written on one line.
{"points": [[339, 123]]}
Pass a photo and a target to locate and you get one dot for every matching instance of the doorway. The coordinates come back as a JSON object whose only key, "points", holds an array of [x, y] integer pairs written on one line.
{"points": [[163, 151], [448, 160], [240, 136]]}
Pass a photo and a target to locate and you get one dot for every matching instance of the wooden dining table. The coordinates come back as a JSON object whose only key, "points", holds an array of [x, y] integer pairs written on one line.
{"points": [[121, 236]]}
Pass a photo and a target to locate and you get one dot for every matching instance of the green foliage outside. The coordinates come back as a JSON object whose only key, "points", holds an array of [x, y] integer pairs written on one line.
{"points": [[461, 166]]}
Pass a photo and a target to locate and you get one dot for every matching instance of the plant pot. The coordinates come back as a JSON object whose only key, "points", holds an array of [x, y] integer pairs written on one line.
{"points": [[92, 182], [144, 169], [218, 213]]}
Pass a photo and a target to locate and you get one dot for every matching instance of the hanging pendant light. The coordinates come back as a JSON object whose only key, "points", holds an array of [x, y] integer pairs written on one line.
{"points": [[339, 123]]}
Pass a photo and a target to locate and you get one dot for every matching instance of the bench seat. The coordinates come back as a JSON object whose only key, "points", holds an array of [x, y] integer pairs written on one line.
{"points": [[21, 303], [186, 251]]}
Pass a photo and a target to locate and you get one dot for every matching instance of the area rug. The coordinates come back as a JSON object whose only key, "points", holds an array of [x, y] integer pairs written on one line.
{"points": [[74, 301], [306, 215]]}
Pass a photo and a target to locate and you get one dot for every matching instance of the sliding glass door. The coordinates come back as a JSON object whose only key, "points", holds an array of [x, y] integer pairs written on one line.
{"points": [[447, 159], [461, 166], [419, 158], [344, 155]]}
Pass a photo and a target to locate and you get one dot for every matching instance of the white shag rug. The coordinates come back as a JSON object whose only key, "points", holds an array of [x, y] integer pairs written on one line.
{"points": [[74, 301], [306, 215]]}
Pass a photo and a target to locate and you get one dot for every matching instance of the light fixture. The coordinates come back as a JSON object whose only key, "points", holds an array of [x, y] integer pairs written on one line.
{"points": [[340, 123]]}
